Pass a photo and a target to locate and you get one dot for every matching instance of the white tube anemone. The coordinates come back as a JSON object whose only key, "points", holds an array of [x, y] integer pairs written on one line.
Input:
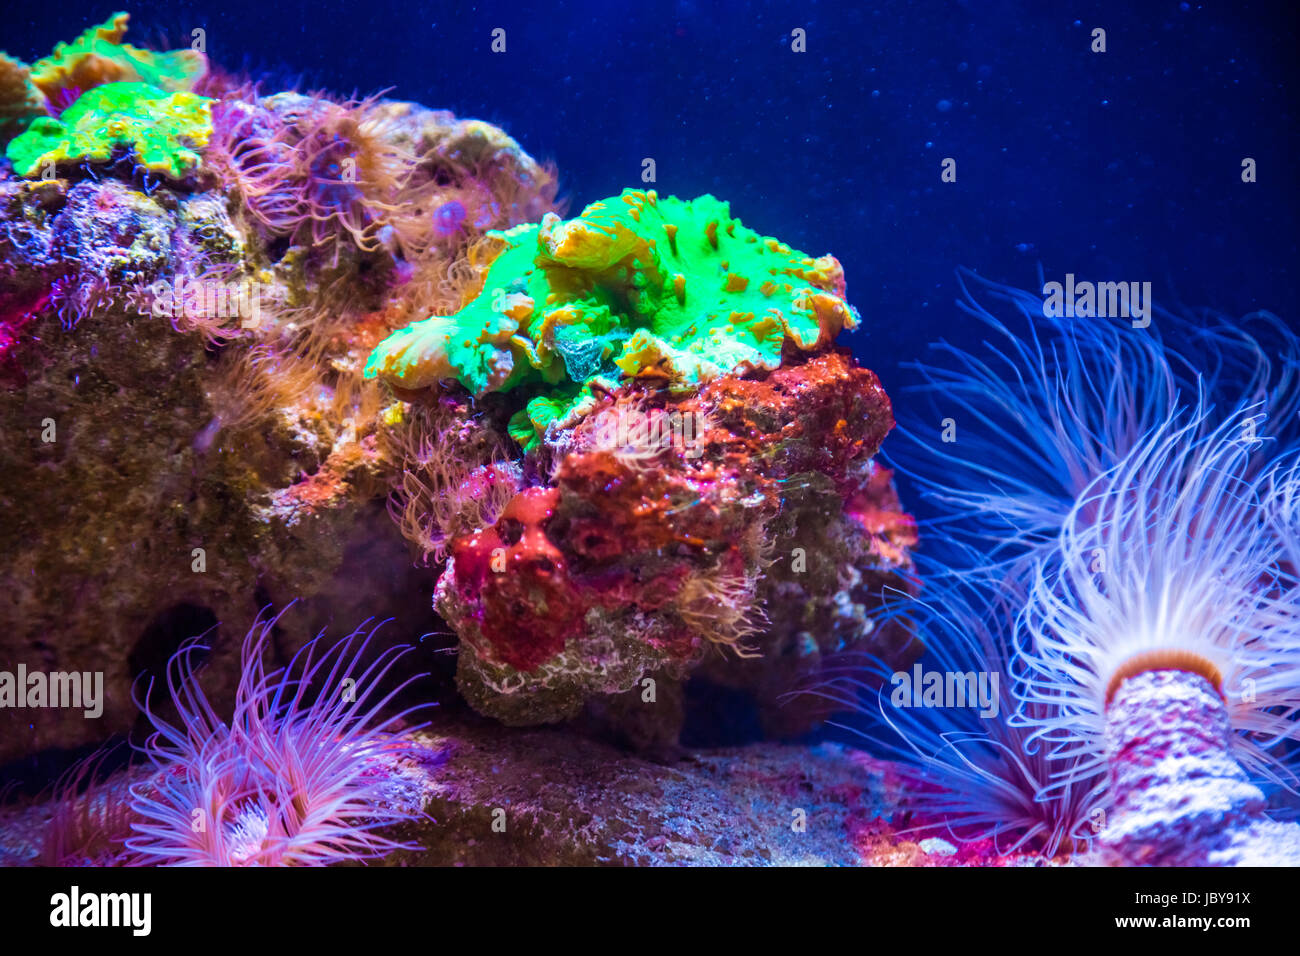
{"points": [[1091, 444], [1174, 559]]}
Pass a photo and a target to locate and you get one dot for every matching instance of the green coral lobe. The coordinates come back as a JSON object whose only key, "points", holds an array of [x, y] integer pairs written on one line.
{"points": [[635, 285], [164, 130]]}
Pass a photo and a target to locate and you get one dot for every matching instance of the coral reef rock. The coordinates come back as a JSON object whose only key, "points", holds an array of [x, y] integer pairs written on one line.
{"points": [[697, 490], [737, 552], [187, 436], [623, 449]]}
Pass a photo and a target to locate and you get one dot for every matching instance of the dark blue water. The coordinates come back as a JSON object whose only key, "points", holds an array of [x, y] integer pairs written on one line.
{"points": [[1123, 165]]}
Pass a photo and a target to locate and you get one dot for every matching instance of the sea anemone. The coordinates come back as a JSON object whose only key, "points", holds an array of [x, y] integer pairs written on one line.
{"points": [[721, 605], [77, 296], [1110, 505], [294, 778], [323, 175], [1177, 558], [251, 384], [455, 477]]}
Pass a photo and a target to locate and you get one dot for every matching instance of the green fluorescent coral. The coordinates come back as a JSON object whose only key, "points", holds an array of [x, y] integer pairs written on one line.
{"points": [[635, 286], [164, 130], [99, 56]]}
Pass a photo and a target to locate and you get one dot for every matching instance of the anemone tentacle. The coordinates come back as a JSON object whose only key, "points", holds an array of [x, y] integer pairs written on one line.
{"points": [[1044, 411], [977, 778]]}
